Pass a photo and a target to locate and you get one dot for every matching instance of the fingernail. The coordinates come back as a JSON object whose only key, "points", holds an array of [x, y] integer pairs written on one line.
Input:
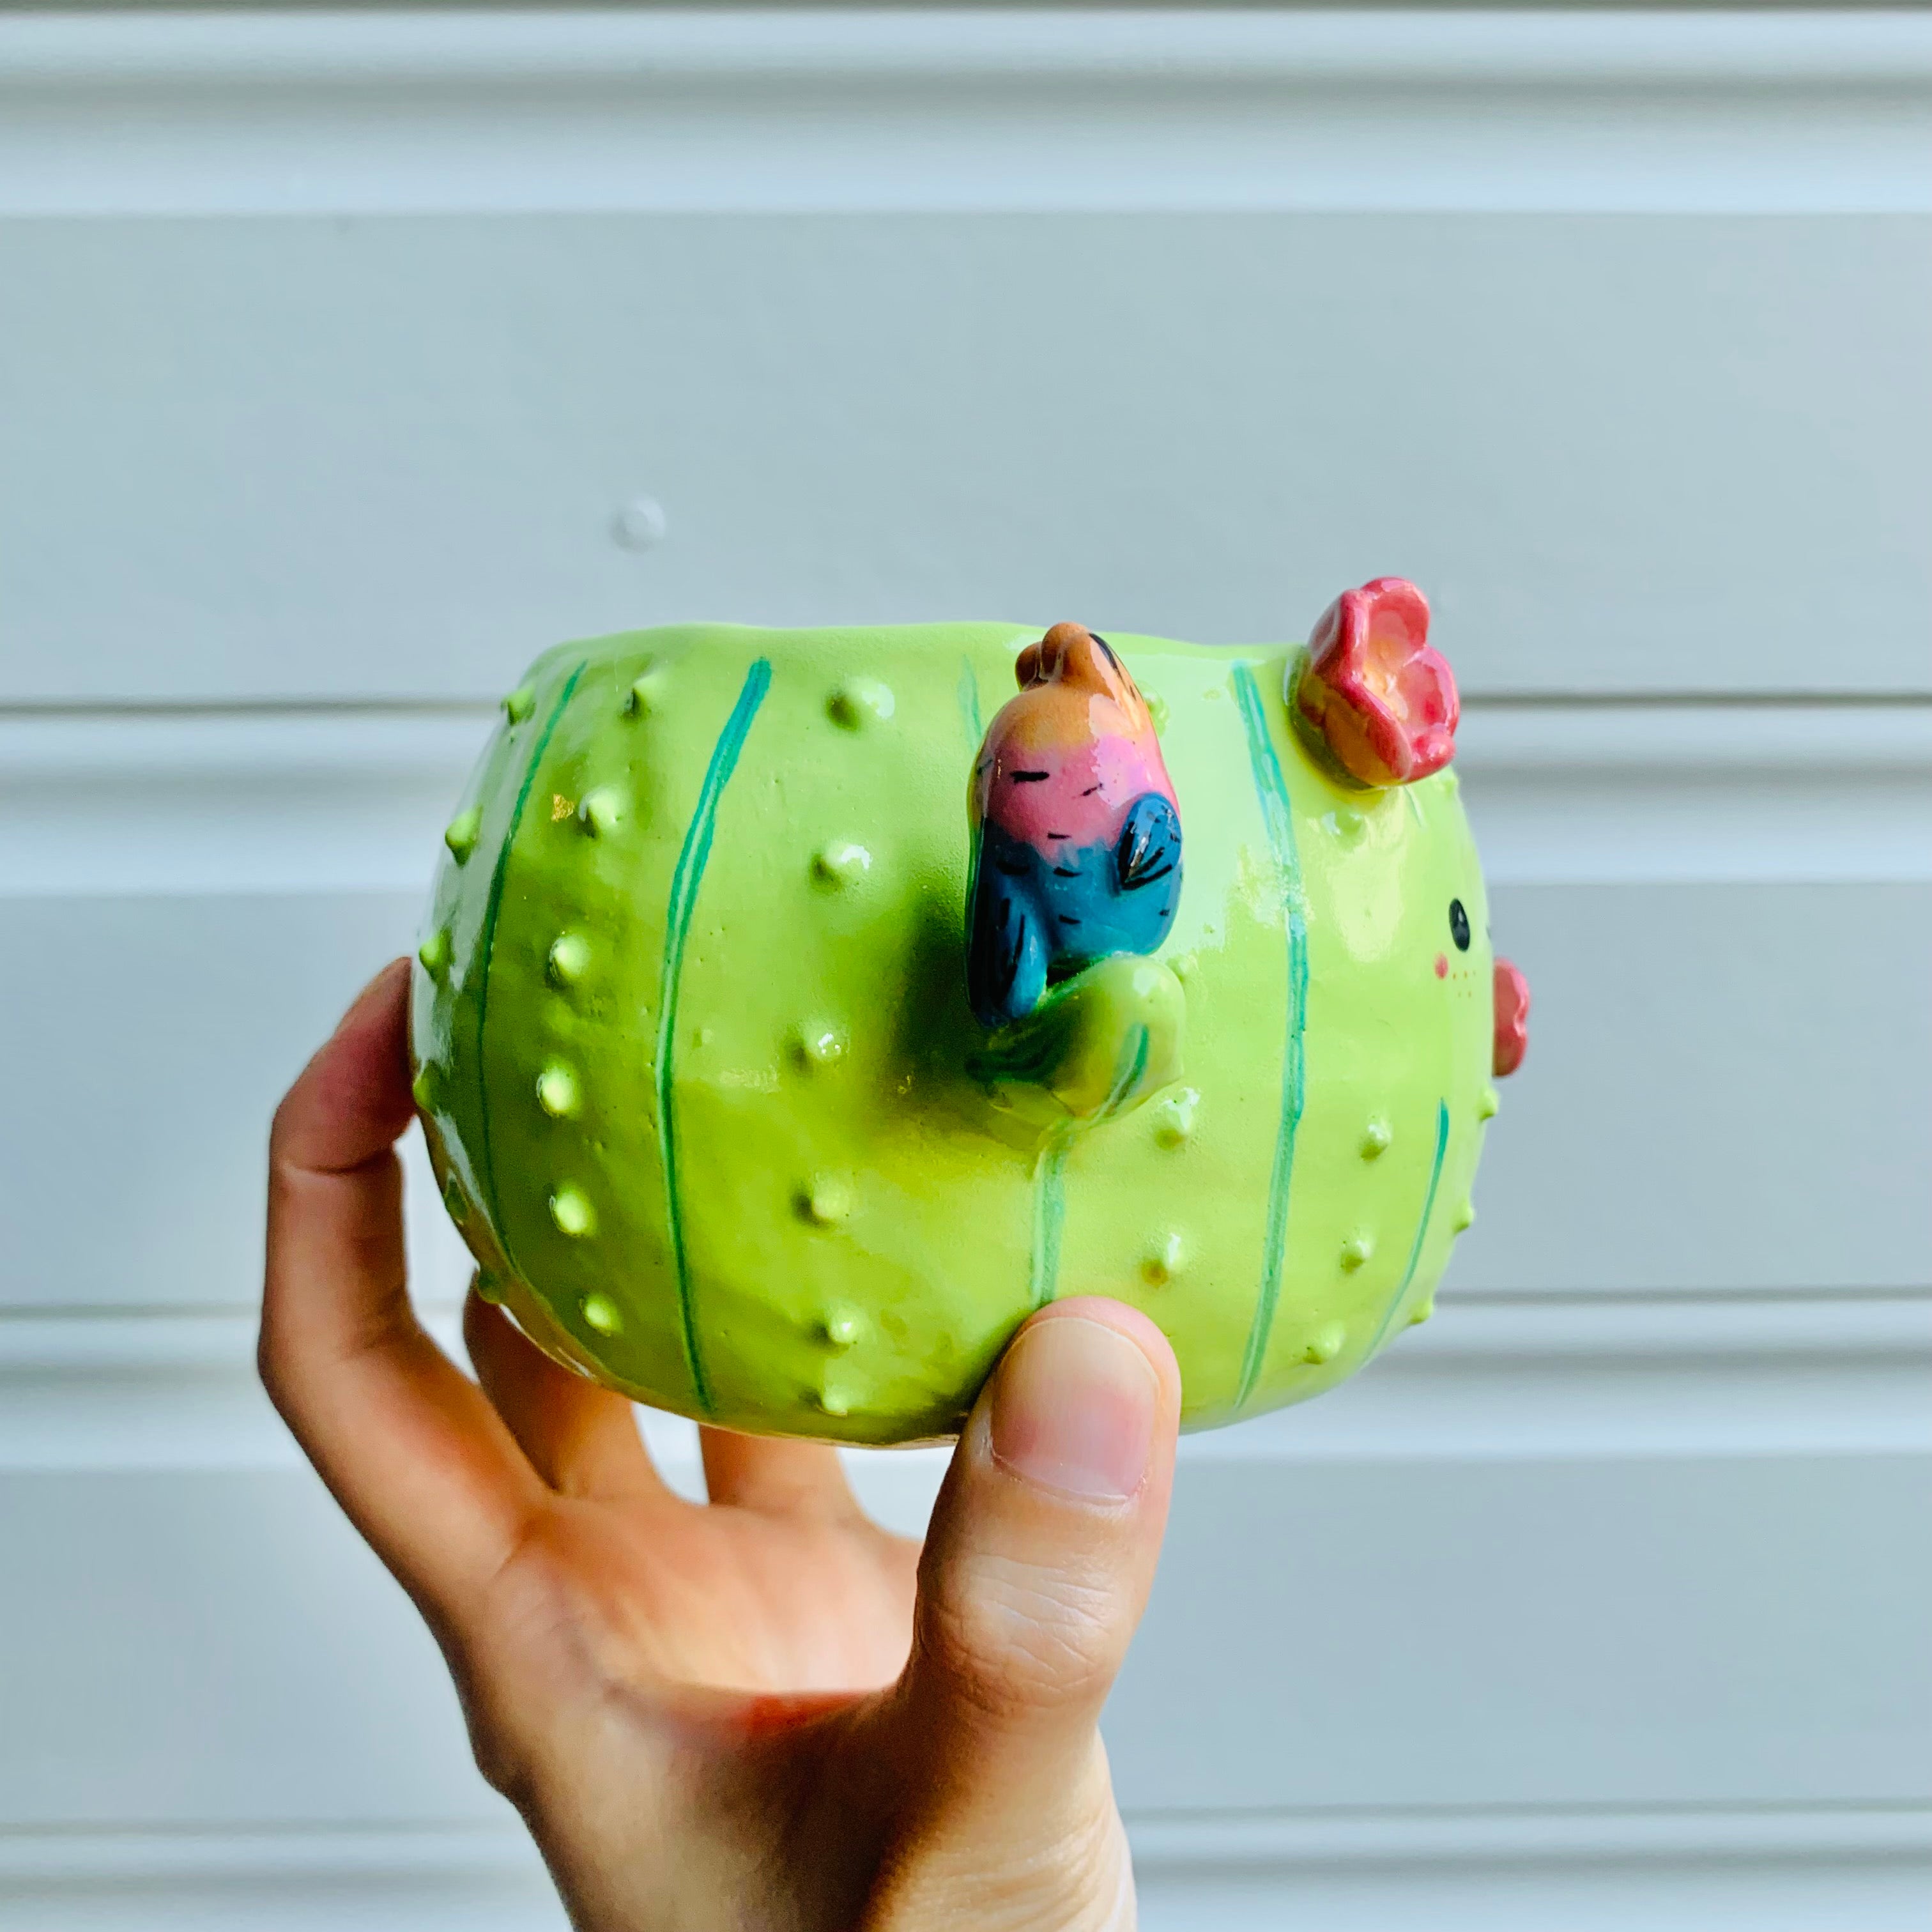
{"points": [[1073, 1410]]}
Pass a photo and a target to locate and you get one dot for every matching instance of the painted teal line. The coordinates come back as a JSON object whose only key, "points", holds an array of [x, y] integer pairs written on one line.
{"points": [[1421, 1226], [486, 946], [969, 701], [1049, 1214], [691, 860], [1131, 1064], [1278, 821]]}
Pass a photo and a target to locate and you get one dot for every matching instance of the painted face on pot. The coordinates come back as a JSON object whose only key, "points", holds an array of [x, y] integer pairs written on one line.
{"points": [[1508, 989], [1378, 705]]}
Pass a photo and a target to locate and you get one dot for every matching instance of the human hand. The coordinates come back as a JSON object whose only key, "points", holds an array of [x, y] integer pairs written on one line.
{"points": [[766, 1712]]}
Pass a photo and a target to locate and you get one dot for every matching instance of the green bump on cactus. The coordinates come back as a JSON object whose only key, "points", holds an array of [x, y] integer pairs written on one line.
{"points": [[1327, 1342], [1174, 1117], [825, 1201], [861, 701], [843, 862], [827, 1219], [434, 952], [460, 835], [520, 702], [557, 1090], [569, 955], [570, 1208], [818, 1044], [1165, 1255], [601, 810], [844, 1327]]}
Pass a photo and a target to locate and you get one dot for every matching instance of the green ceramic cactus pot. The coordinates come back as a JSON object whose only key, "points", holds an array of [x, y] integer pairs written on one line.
{"points": [[706, 1098]]}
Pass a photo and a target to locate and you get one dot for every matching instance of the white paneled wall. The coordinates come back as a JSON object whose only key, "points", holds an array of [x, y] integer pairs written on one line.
{"points": [[332, 350]]}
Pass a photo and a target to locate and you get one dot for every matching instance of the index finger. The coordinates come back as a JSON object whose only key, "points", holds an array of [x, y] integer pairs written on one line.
{"points": [[407, 1444]]}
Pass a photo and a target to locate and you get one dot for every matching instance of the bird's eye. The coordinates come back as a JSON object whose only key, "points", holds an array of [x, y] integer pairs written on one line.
{"points": [[1459, 925]]}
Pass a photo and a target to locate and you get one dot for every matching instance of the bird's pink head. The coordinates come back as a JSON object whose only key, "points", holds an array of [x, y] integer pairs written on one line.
{"points": [[1080, 735]]}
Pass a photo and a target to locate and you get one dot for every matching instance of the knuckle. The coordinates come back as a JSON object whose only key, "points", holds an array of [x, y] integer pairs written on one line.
{"points": [[502, 1763], [537, 1670], [272, 1366], [1013, 1635], [507, 1758], [268, 1367]]}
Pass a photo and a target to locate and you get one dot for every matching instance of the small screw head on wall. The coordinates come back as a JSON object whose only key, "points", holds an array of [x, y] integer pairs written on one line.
{"points": [[640, 524]]}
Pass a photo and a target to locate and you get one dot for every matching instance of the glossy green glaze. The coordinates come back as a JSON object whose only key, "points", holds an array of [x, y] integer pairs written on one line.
{"points": [[708, 1104]]}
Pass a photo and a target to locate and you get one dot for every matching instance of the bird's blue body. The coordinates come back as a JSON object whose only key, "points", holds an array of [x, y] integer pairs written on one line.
{"points": [[1038, 917]]}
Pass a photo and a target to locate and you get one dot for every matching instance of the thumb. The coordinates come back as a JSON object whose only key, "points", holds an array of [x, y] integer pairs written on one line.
{"points": [[1040, 1556]]}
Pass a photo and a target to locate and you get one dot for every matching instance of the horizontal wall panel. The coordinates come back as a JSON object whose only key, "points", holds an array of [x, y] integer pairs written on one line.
{"points": [[1625, 1632], [1771, 1892], [344, 799], [160, 1027], [1672, 1632], [1618, 794], [450, 1897], [1777, 1870], [1724, 1089], [265, 1669], [363, 457], [341, 801], [719, 108], [1782, 1870], [1502, 1378]]}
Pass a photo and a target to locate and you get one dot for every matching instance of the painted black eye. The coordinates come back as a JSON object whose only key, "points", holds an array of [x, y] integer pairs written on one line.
{"points": [[1459, 925]]}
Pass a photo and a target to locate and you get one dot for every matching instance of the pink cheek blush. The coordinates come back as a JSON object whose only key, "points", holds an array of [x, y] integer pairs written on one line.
{"points": [[1442, 965]]}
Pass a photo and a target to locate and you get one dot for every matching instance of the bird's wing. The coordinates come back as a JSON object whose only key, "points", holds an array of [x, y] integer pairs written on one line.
{"points": [[1006, 951], [1150, 843]]}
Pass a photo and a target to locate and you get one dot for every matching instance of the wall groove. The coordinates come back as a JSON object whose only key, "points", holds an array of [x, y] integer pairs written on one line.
{"points": [[327, 112], [329, 799], [1513, 1378]]}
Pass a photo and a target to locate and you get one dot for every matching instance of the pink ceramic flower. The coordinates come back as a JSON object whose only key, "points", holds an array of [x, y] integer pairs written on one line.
{"points": [[1512, 1018], [1372, 689]]}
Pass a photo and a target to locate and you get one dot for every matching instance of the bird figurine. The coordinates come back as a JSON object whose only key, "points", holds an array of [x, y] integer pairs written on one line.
{"points": [[1077, 836]]}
